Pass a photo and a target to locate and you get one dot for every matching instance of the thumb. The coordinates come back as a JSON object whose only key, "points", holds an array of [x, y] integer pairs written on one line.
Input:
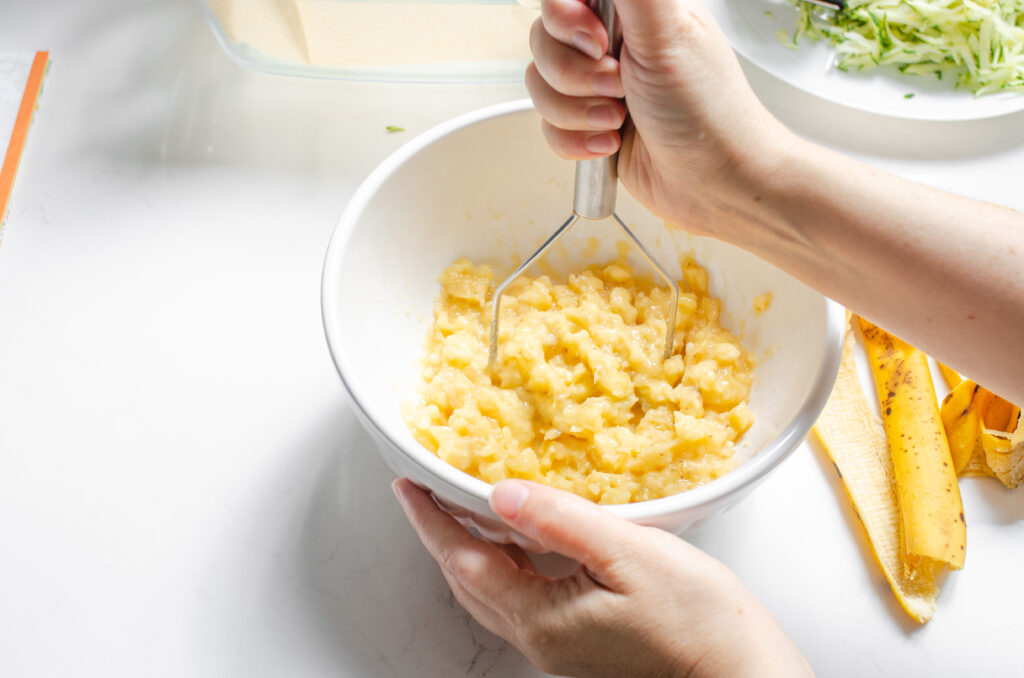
{"points": [[566, 524], [649, 27]]}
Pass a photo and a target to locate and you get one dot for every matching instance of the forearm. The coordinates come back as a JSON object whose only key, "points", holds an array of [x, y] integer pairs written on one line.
{"points": [[941, 271]]}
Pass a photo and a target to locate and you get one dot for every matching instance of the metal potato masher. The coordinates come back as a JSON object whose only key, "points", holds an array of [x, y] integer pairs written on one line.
{"points": [[593, 198]]}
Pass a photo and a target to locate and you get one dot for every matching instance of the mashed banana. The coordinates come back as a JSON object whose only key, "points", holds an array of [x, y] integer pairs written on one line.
{"points": [[580, 397]]}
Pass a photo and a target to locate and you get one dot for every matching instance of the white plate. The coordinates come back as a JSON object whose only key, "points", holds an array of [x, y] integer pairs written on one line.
{"points": [[752, 27]]}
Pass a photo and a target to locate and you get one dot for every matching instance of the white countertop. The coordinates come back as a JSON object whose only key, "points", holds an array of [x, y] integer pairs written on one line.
{"points": [[184, 490]]}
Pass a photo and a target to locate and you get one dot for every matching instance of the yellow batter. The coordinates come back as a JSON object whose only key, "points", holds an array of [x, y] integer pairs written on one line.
{"points": [[581, 398]]}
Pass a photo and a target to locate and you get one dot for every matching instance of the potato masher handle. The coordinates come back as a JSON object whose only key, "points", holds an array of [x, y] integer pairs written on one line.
{"points": [[597, 179]]}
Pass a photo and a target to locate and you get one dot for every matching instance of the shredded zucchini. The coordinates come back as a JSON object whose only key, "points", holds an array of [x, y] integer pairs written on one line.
{"points": [[980, 41]]}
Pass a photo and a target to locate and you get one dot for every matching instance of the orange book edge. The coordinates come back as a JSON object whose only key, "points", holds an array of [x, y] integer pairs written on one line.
{"points": [[22, 122]]}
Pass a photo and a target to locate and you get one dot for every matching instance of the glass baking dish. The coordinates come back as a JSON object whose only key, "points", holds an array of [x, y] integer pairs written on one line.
{"points": [[473, 41]]}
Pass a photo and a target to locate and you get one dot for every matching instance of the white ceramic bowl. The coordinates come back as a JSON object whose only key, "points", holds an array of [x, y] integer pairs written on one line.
{"points": [[486, 186]]}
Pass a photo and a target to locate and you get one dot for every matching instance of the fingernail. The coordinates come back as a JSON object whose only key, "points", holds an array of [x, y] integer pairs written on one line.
{"points": [[586, 44], [604, 117], [602, 143], [607, 85], [508, 498], [398, 493]]}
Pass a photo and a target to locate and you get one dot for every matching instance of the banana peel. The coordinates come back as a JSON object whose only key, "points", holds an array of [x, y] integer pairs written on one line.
{"points": [[999, 413], [1004, 452], [952, 377], [900, 472], [988, 430], [926, 483], [959, 414], [854, 438]]}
